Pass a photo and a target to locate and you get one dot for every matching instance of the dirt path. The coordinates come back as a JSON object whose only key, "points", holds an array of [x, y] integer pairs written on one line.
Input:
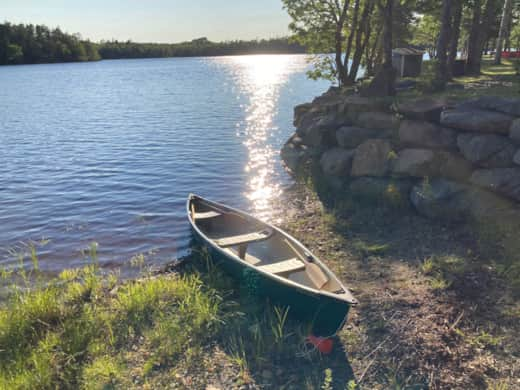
{"points": [[414, 327]]}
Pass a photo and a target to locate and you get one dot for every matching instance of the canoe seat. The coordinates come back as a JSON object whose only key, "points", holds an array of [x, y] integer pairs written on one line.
{"points": [[282, 267], [206, 215], [244, 238]]}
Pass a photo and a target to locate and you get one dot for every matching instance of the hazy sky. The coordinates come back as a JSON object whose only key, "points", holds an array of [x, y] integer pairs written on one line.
{"points": [[153, 20]]}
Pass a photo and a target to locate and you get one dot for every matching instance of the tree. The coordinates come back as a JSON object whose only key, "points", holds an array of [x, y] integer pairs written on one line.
{"points": [[14, 54], [383, 84], [319, 25], [455, 36], [480, 29], [504, 24], [442, 46]]}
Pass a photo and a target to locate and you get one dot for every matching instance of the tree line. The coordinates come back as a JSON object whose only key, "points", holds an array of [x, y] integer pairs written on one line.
{"points": [[33, 44], [364, 32]]}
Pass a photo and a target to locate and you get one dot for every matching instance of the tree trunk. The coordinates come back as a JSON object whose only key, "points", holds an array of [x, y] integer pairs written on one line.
{"points": [[372, 53], [474, 49], [504, 23], [454, 39], [350, 39], [481, 37], [442, 46], [340, 23], [383, 83], [362, 38], [388, 33]]}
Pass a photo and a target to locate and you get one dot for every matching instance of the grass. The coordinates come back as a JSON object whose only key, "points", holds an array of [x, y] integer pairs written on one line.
{"points": [[86, 329], [71, 332], [495, 80]]}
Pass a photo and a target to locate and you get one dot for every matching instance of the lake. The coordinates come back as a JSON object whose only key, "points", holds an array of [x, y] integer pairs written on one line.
{"points": [[107, 152]]}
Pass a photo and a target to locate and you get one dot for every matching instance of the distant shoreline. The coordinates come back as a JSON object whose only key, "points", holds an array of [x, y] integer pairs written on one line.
{"points": [[29, 44]]}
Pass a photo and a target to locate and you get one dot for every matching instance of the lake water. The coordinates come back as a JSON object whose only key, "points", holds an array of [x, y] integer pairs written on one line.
{"points": [[107, 152]]}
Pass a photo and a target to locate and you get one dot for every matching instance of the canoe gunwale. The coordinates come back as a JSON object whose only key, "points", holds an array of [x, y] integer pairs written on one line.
{"points": [[344, 297]]}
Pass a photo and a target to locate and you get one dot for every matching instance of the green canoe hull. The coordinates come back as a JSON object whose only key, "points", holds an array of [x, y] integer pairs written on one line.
{"points": [[326, 314]]}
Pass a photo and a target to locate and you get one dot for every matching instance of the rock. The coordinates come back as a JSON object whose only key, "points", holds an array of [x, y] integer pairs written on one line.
{"points": [[505, 181], [267, 375], [477, 120], [377, 120], [299, 112], [489, 151], [319, 130], [294, 154], [426, 162], [371, 158], [357, 103], [427, 109], [414, 162], [337, 162], [426, 134], [440, 198], [510, 106], [514, 131], [376, 188], [516, 159], [349, 137]]}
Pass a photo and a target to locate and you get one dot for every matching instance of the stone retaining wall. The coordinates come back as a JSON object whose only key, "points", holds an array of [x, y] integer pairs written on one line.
{"points": [[449, 160]]}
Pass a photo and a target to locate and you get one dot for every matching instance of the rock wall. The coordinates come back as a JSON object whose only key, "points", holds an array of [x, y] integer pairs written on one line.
{"points": [[462, 160]]}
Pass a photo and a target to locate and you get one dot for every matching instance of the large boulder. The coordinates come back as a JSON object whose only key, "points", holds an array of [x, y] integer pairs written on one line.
{"points": [[516, 159], [337, 162], [514, 131], [350, 137], [319, 130], [427, 109], [377, 120], [391, 190], [294, 154], [477, 120], [372, 158], [299, 112], [431, 163], [357, 103], [505, 181], [444, 199], [488, 151], [510, 106], [426, 134]]}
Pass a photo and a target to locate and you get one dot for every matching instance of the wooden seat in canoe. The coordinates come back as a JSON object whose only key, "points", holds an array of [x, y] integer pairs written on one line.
{"points": [[283, 267], [206, 215], [244, 238]]}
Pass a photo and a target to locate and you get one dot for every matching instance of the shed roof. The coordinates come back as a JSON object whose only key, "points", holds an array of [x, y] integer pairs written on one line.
{"points": [[408, 51]]}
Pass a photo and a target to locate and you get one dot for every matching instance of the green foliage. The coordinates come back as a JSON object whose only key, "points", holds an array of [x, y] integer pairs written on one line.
{"points": [[69, 333], [327, 381], [196, 48], [30, 44], [443, 270], [426, 32]]}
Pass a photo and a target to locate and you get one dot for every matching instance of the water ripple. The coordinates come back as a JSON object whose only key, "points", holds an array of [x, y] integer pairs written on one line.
{"points": [[108, 151]]}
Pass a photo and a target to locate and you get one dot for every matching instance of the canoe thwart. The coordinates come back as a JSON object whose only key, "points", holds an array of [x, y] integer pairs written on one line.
{"points": [[244, 238], [282, 267], [206, 215]]}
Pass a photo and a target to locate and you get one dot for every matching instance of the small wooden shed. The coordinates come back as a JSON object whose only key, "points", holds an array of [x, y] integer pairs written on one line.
{"points": [[407, 61]]}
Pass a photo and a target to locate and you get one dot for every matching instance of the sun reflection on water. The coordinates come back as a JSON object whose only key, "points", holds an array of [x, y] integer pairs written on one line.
{"points": [[261, 78]]}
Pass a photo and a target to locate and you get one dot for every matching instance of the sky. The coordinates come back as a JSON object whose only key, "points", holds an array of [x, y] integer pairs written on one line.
{"points": [[153, 20]]}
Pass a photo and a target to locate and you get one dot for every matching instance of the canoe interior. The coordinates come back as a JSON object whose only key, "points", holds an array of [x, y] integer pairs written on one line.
{"points": [[258, 244]]}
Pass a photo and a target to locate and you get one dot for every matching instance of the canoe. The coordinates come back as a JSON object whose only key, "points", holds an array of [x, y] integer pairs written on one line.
{"points": [[269, 262]]}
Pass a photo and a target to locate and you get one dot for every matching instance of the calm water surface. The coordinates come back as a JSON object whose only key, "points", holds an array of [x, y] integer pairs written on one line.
{"points": [[107, 152]]}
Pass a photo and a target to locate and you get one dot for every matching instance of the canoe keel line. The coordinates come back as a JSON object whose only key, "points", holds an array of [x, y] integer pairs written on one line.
{"points": [[269, 262]]}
